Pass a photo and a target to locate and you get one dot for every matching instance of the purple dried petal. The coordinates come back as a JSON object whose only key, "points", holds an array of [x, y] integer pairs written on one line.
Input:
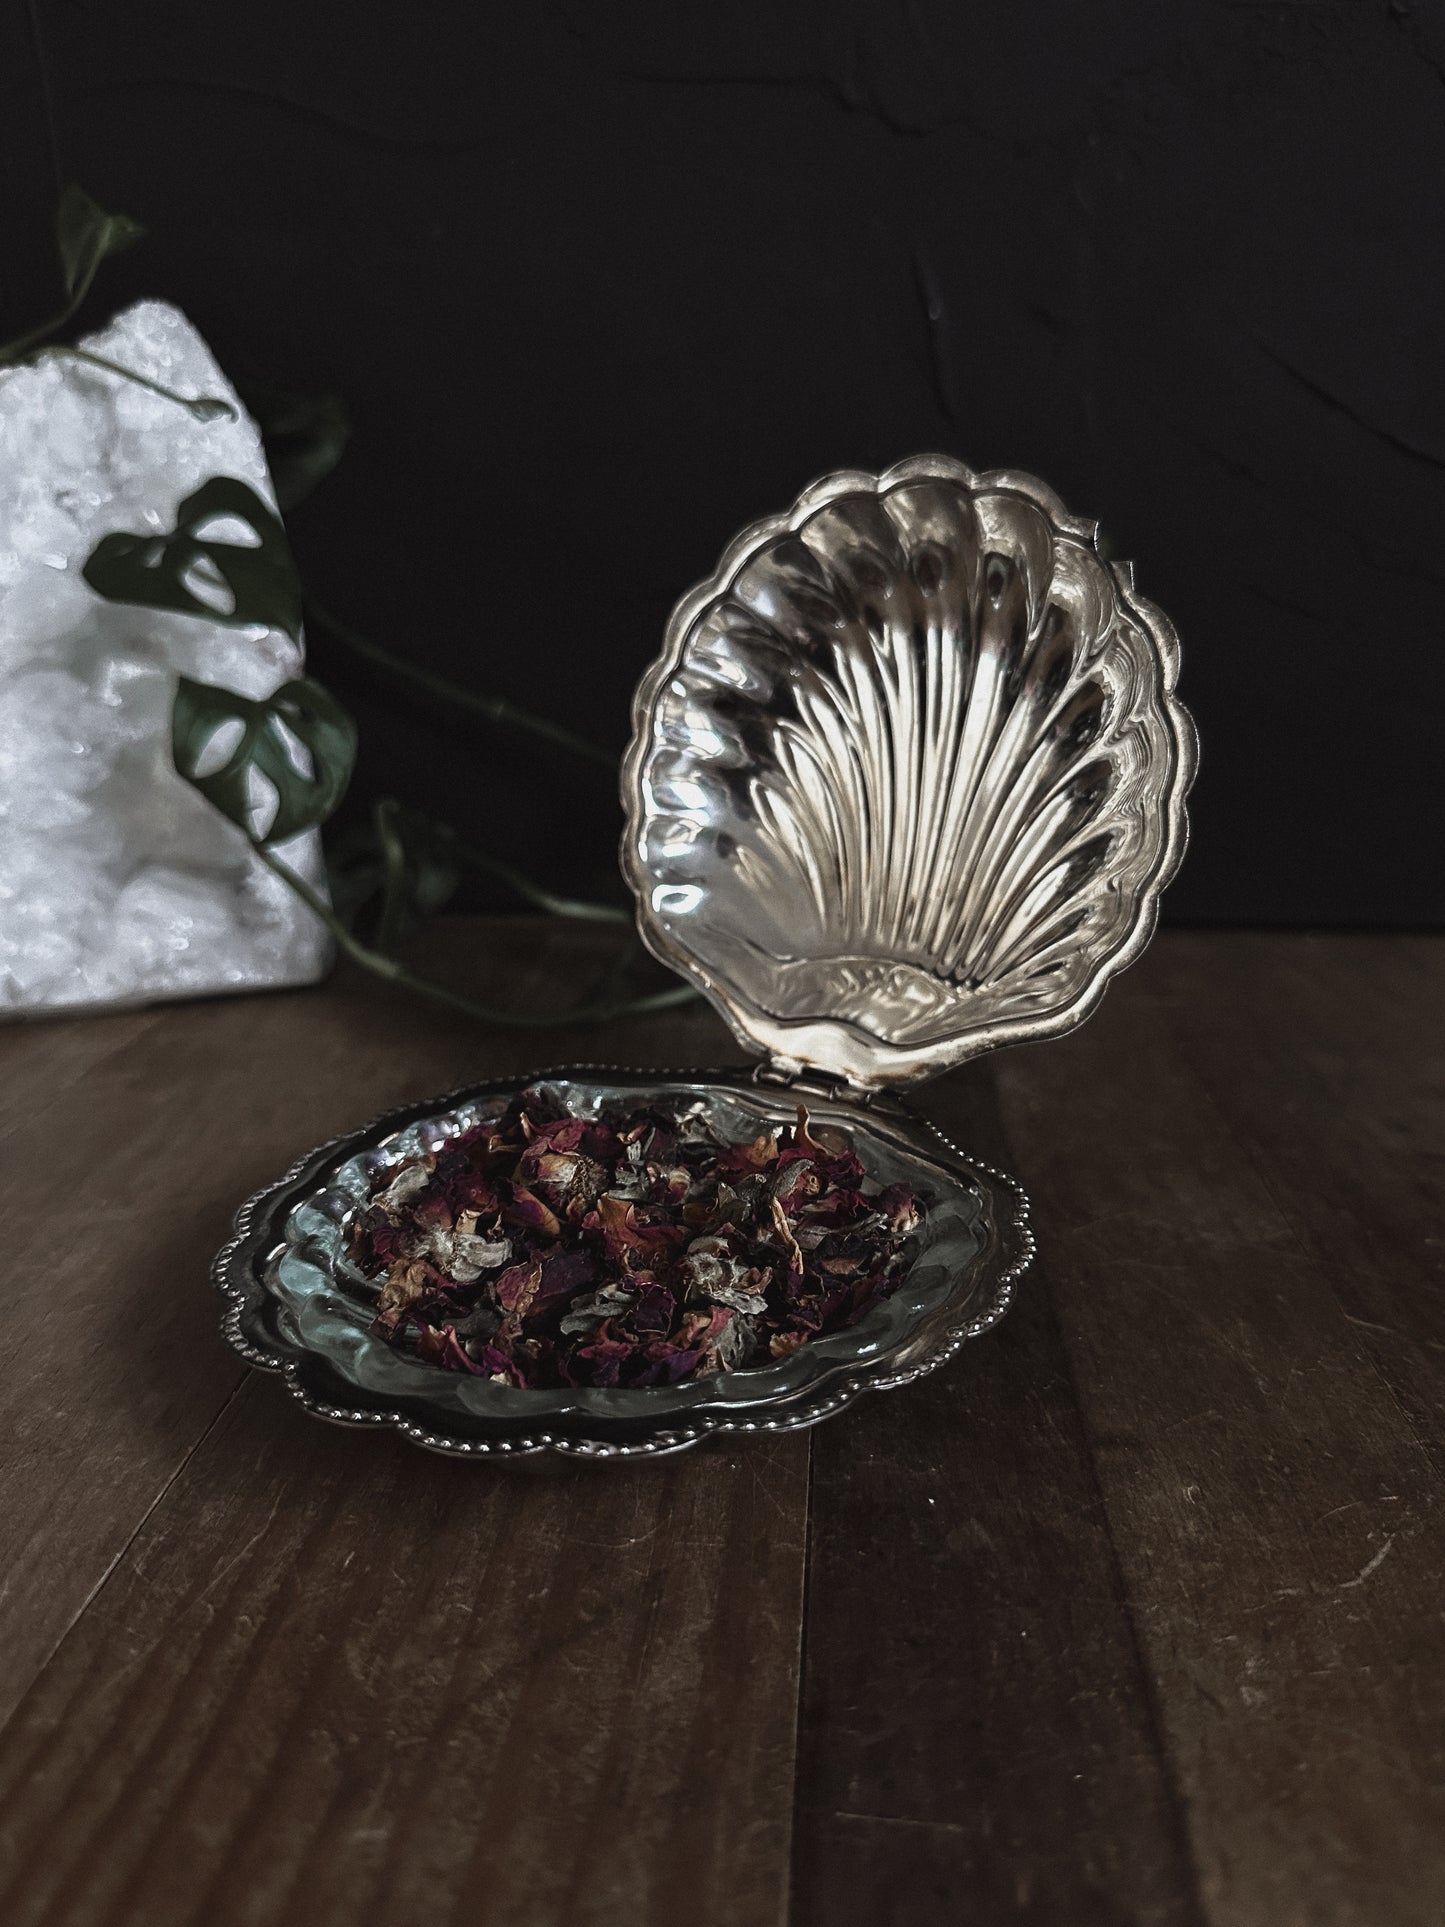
{"points": [[564, 1274], [606, 1357], [491, 1362], [669, 1363], [655, 1310], [770, 1242], [899, 1204], [565, 1135]]}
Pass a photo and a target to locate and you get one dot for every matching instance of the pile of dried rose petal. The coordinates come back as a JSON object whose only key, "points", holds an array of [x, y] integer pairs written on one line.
{"points": [[542, 1249]]}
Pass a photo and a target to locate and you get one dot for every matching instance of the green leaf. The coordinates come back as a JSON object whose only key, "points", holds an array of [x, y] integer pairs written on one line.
{"points": [[257, 582], [305, 437], [300, 712], [85, 234]]}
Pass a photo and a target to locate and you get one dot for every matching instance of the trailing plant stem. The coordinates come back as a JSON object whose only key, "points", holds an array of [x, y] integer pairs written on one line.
{"points": [[211, 405], [496, 709], [534, 893], [17, 350], [397, 973]]}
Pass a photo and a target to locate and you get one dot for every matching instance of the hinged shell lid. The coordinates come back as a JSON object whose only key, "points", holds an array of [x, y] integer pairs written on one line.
{"points": [[908, 777]]}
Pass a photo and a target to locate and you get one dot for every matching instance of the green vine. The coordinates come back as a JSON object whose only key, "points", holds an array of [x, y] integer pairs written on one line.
{"points": [[383, 965], [292, 800], [493, 709], [86, 235], [409, 862], [407, 865]]}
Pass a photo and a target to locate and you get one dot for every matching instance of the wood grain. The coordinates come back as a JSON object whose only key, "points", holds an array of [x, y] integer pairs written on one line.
{"points": [[340, 1681], [1276, 1516], [330, 1679], [979, 1741], [1327, 1057], [1130, 1616], [128, 1141]]}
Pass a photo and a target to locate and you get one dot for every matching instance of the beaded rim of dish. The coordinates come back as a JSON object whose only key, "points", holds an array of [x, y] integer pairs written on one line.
{"points": [[238, 1286]]}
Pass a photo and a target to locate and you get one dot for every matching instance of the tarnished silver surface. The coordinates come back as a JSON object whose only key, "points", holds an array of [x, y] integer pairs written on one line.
{"points": [[294, 1306], [909, 774]]}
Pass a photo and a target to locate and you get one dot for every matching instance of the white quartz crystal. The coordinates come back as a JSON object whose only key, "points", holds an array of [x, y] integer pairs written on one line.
{"points": [[118, 883]]}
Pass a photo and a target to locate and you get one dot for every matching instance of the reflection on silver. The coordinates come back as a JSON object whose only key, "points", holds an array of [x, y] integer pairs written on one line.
{"points": [[908, 777], [295, 1306], [905, 784]]}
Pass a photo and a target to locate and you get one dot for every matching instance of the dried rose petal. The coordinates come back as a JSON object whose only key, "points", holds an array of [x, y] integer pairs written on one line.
{"points": [[785, 1233], [518, 1286], [405, 1283], [749, 1157], [463, 1257], [564, 1275], [541, 1249], [530, 1213], [597, 1307], [607, 1356], [797, 1182], [559, 1176], [409, 1183], [655, 1310], [710, 1270], [899, 1205], [626, 1236], [491, 1362]]}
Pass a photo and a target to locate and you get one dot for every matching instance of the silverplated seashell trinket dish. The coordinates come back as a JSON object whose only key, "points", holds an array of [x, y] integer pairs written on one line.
{"points": [[904, 785]]}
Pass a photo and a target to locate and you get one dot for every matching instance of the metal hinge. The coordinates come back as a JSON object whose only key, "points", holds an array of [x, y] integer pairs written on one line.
{"points": [[814, 1083]]}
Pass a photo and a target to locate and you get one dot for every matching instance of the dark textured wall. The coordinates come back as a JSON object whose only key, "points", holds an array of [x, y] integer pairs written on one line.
{"points": [[600, 284]]}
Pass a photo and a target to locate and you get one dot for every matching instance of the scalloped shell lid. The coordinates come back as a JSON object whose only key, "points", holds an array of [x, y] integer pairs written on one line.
{"points": [[908, 777]]}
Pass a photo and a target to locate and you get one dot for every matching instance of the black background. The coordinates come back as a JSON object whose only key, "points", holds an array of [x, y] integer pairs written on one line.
{"points": [[600, 284]]}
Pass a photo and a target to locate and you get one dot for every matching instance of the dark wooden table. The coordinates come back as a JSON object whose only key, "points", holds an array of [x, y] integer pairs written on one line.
{"points": [[1135, 1613]]}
